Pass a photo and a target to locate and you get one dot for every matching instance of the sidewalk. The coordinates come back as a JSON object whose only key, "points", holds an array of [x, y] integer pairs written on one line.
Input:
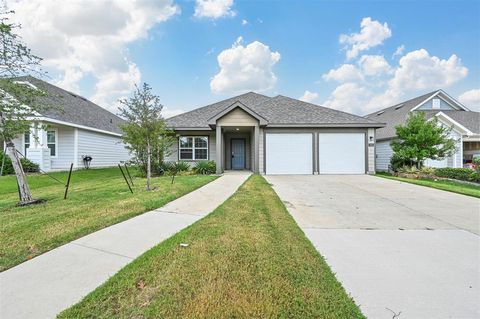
{"points": [[49, 283]]}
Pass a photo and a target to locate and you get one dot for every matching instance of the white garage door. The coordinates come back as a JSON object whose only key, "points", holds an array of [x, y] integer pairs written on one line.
{"points": [[289, 153], [342, 153]]}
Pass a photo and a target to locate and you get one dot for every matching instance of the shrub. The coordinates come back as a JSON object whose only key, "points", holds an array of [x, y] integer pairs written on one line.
{"points": [[182, 166], [164, 168], [428, 170], [397, 162], [28, 166], [464, 174], [205, 167]]}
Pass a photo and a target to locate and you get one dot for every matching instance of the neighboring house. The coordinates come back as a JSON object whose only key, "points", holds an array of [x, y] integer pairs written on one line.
{"points": [[275, 135], [76, 128], [465, 126]]}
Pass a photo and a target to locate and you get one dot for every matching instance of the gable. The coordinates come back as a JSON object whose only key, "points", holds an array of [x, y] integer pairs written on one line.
{"points": [[436, 103], [237, 117]]}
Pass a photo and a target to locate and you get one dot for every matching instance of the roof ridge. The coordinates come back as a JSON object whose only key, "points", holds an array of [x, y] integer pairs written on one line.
{"points": [[234, 98], [404, 102], [326, 108], [75, 95]]}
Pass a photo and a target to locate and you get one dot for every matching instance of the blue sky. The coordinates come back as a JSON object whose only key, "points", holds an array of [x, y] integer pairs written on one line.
{"points": [[272, 47]]}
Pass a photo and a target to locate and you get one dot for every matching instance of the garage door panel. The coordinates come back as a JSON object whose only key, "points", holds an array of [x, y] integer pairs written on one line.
{"points": [[289, 153], [341, 153]]}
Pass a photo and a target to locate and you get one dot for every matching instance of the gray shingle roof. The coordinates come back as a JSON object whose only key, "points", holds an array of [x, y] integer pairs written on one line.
{"points": [[75, 109], [279, 110], [198, 118], [395, 115], [469, 119]]}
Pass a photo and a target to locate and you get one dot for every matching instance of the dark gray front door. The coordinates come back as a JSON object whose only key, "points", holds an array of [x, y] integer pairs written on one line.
{"points": [[238, 153]]}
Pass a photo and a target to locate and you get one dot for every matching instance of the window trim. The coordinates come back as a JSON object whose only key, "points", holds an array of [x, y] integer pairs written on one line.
{"points": [[56, 140], [24, 142], [193, 159]]}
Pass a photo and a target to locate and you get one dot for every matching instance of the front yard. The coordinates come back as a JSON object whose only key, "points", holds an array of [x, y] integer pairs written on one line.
{"points": [[247, 259], [446, 185], [97, 198]]}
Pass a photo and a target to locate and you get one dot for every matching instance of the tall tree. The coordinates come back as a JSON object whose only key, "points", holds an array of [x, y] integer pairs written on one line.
{"points": [[18, 101], [420, 139], [145, 132]]}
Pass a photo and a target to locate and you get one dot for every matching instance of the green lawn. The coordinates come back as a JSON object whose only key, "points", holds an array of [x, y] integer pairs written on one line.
{"points": [[248, 259], [446, 185], [97, 198]]}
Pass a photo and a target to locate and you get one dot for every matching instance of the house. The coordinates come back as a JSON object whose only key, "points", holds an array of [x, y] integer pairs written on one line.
{"points": [[76, 128], [465, 126], [275, 135]]}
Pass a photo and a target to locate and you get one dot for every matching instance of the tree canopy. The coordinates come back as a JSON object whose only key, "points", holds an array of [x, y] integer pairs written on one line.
{"points": [[420, 139], [145, 131]]}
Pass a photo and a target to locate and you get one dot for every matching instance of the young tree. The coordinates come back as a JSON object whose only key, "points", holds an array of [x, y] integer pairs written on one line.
{"points": [[18, 101], [421, 139], [145, 132]]}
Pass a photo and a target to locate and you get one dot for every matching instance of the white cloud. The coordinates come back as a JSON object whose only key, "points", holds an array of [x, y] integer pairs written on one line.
{"points": [[244, 22], [471, 99], [214, 9], [372, 33], [309, 96], [381, 85], [89, 38], [419, 70], [348, 97], [344, 73], [245, 68], [372, 65], [399, 51]]}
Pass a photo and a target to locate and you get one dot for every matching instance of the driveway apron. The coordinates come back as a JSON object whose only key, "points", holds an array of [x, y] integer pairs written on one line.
{"points": [[397, 248]]}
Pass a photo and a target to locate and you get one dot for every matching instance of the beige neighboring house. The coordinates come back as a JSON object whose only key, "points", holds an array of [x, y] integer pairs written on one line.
{"points": [[465, 126], [76, 129], [275, 135]]}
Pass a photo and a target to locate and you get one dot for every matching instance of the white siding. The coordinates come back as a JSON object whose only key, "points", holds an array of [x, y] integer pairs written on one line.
{"points": [[65, 148], [384, 154], [106, 150]]}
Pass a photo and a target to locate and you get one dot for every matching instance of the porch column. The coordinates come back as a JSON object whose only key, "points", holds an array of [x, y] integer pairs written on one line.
{"points": [[38, 152], [256, 158], [218, 148]]}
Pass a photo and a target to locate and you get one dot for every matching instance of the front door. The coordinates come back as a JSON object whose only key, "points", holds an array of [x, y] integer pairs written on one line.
{"points": [[238, 153]]}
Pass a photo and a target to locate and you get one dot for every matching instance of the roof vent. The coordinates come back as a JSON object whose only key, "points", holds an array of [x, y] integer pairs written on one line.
{"points": [[398, 106], [380, 113], [111, 121]]}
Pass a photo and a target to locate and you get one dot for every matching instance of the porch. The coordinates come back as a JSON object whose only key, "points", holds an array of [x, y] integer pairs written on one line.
{"points": [[470, 148], [237, 148]]}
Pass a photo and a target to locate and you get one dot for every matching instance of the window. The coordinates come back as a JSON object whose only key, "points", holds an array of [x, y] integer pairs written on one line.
{"points": [[435, 103], [193, 147], [26, 142], [52, 142]]}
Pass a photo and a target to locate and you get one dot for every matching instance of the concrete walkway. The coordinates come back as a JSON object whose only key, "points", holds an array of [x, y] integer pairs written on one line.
{"points": [[46, 285], [397, 248]]}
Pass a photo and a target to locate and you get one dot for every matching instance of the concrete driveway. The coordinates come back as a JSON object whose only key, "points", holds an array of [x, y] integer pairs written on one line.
{"points": [[397, 248]]}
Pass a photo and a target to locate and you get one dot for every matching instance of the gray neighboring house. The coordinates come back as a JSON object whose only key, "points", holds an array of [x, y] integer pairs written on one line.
{"points": [[275, 135], [77, 128], [465, 126]]}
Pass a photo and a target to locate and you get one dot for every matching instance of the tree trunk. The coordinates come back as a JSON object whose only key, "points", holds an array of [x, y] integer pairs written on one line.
{"points": [[23, 190], [149, 166]]}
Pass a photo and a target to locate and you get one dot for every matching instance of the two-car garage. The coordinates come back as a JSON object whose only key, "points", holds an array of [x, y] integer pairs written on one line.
{"points": [[315, 152]]}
